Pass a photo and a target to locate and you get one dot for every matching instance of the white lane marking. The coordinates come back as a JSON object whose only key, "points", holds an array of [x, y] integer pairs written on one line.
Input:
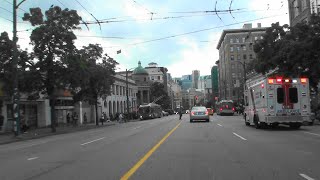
{"points": [[220, 125], [306, 176], [92, 141], [312, 133], [137, 127], [240, 136], [33, 158]]}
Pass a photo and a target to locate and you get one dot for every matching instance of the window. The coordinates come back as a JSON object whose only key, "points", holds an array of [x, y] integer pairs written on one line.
{"points": [[240, 75], [280, 95], [232, 66], [261, 37], [117, 90], [304, 4], [145, 79], [231, 48], [158, 77], [244, 47], [255, 38], [251, 46], [293, 95], [152, 78], [244, 56], [233, 75], [251, 57], [238, 48], [243, 39], [233, 92], [232, 57], [231, 41], [295, 8], [238, 57], [237, 40]]}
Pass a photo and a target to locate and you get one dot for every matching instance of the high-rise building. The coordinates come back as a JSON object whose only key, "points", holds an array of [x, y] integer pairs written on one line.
{"points": [[215, 82], [235, 51], [195, 78], [300, 10]]}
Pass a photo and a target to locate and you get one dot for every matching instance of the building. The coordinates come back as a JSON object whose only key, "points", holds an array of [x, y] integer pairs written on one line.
{"points": [[195, 78], [214, 83], [235, 51], [186, 82], [158, 74], [315, 6], [141, 78], [300, 10]]}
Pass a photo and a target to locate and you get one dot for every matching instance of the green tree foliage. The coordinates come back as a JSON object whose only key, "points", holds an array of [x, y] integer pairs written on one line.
{"points": [[7, 67], [94, 74], [294, 51], [157, 90], [53, 41]]}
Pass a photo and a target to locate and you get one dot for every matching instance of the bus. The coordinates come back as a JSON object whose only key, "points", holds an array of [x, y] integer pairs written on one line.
{"points": [[150, 111], [225, 107]]}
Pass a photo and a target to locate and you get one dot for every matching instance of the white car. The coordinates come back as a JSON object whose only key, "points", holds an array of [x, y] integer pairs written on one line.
{"points": [[164, 113]]}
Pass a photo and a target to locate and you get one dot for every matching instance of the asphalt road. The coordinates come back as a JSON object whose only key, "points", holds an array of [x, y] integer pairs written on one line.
{"points": [[168, 148]]}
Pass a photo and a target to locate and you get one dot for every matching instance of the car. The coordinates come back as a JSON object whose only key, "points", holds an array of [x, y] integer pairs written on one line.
{"points": [[199, 113], [164, 113], [170, 111], [210, 111]]}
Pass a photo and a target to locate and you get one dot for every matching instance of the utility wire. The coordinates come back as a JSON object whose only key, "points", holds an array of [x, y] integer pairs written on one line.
{"points": [[230, 10], [89, 13], [18, 7], [150, 12], [196, 31], [8, 11], [215, 9], [161, 18], [62, 4]]}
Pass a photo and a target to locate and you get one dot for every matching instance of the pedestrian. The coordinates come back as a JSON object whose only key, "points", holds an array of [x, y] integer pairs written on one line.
{"points": [[102, 118], [105, 116], [120, 118], [85, 118], [68, 118], [180, 114], [111, 117], [75, 118]]}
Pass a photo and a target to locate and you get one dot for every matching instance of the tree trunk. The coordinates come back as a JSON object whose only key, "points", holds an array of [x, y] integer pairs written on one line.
{"points": [[96, 107], [53, 114]]}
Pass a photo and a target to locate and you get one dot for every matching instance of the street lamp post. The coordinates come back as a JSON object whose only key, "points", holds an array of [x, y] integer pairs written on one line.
{"points": [[16, 97], [127, 91]]}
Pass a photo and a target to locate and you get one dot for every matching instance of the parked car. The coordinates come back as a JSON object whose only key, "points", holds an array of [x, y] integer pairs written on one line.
{"points": [[210, 111], [170, 111], [199, 113], [164, 113]]}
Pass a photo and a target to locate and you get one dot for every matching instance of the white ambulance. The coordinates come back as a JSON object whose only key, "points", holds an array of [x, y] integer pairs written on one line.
{"points": [[274, 100]]}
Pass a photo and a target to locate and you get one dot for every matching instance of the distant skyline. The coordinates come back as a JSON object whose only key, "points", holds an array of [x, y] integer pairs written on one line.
{"points": [[180, 35]]}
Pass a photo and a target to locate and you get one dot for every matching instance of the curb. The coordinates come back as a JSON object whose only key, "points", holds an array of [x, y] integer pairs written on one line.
{"points": [[18, 139]]}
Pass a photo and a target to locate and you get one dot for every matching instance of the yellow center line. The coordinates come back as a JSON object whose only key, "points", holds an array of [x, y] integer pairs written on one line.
{"points": [[146, 156]]}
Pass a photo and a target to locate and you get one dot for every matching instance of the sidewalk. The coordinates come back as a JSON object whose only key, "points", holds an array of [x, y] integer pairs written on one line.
{"points": [[6, 138]]}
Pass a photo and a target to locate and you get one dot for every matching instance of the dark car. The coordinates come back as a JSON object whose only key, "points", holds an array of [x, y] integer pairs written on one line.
{"points": [[170, 111]]}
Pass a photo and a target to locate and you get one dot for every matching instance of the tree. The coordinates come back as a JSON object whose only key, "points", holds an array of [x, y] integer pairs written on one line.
{"points": [[157, 90], [95, 75], [53, 41], [293, 51], [7, 67]]}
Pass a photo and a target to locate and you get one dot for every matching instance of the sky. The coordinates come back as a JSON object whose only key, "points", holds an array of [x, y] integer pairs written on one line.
{"points": [[180, 35]]}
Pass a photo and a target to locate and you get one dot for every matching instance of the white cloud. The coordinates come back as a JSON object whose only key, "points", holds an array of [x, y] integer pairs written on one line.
{"points": [[196, 57], [136, 11]]}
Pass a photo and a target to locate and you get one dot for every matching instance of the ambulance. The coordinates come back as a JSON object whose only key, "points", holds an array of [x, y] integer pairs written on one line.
{"points": [[271, 100]]}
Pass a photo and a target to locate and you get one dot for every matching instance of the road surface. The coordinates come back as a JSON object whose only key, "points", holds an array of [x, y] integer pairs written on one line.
{"points": [[166, 148]]}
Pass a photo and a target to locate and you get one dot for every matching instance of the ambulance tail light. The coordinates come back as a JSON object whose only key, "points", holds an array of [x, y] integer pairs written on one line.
{"points": [[303, 80], [279, 80], [270, 81]]}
